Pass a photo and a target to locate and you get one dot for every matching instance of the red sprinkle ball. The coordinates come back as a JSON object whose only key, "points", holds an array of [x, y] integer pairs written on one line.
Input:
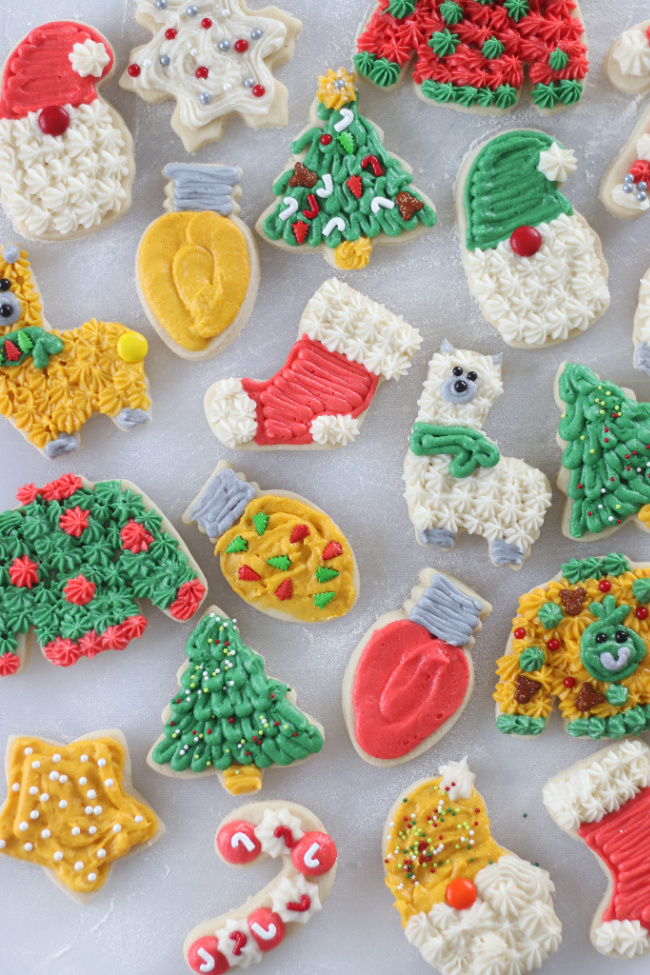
{"points": [[206, 23], [604, 585], [258, 91], [519, 633], [133, 70], [170, 34], [525, 241], [241, 45], [553, 645], [325, 139], [202, 72], [641, 612], [569, 682]]}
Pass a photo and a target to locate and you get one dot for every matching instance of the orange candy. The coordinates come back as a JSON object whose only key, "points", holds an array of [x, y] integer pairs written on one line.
{"points": [[460, 893]]}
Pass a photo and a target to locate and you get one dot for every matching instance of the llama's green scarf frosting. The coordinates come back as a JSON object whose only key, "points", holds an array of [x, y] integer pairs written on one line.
{"points": [[470, 448]]}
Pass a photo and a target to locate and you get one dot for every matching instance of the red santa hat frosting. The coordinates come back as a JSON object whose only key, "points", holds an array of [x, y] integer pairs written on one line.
{"points": [[56, 64]]}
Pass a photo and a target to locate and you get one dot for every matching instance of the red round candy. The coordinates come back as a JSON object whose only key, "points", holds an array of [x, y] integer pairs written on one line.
{"points": [[314, 854], [569, 682], [171, 33], [553, 644], [604, 585], [241, 45], [237, 842], [258, 90], [641, 171], [267, 928], [204, 956], [325, 139], [525, 241], [133, 70], [53, 120], [460, 893], [519, 633], [206, 23], [641, 613], [202, 72]]}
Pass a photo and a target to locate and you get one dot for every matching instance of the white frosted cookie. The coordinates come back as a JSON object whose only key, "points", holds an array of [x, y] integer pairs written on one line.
{"points": [[216, 59], [535, 266], [628, 60], [347, 346], [641, 329], [66, 156]]}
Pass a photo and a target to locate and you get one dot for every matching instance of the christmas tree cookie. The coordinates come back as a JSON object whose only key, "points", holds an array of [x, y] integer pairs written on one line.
{"points": [[277, 551], [641, 330], [468, 904], [66, 156], [605, 472], [347, 344], [583, 638], [533, 263], [72, 809], [248, 723], [605, 801], [76, 558], [411, 676], [243, 935], [456, 479], [216, 59], [197, 267], [52, 381], [472, 54], [343, 191]]}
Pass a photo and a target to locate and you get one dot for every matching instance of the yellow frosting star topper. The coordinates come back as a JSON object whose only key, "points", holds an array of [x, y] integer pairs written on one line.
{"points": [[336, 88]]}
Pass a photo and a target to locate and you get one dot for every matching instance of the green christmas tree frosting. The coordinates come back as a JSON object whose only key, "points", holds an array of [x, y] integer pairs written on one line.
{"points": [[228, 712], [505, 189], [607, 451]]}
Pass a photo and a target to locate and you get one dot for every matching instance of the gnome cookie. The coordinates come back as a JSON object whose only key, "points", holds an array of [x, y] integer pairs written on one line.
{"points": [[66, 156]]}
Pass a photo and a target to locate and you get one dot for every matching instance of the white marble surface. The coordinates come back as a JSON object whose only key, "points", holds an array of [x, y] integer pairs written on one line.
{"points": [[138, 921]]}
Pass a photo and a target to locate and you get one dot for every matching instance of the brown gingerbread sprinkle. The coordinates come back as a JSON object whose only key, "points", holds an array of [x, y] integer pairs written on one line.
{"points": [[525, 688], [588, 698], [573, 599], [408, 205], [303, 176]]}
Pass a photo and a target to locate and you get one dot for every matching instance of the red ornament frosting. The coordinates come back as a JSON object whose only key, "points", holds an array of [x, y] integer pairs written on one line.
{"points": [[79, 590], [74, 521], [23, 572], [135, 536], [188, 600]]}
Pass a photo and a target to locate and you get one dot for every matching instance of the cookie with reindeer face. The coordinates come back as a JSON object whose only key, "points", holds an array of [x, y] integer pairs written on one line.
{"points": [[456, 478]]}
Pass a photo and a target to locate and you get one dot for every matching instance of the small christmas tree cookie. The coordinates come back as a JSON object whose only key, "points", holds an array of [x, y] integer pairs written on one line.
{"points": [[216, 59], [411, 676], [72, 809], [467, 903], [535, 266], [472, 54], [583, 638], [343, 191], [229, 718], [277, 551], [347, 344], [66, 156], [605, 472], [243, 935], [52, 381], [197, 267], [605, 801], [77, 557]]}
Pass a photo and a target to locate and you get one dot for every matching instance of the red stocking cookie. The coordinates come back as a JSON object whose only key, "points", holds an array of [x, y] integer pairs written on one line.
{"points": [[66, 156], [243, 935], [605, 801], [411, 676]]}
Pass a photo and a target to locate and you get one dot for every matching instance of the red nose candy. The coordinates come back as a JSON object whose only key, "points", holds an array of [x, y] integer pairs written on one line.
{"points": [[53, 120], [526, 241], [460, 893]]}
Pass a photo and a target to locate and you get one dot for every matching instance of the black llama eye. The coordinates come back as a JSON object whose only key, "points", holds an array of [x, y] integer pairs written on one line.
{"points": [[457, 371]]}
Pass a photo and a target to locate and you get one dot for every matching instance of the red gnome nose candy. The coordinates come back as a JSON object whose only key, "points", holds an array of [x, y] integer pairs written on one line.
{"points": [[526, 241], [54, 120]]}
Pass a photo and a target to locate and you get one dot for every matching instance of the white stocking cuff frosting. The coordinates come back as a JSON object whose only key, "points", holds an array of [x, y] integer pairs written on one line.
{"points": [[231, 412], [335, 430], [623, 939]]}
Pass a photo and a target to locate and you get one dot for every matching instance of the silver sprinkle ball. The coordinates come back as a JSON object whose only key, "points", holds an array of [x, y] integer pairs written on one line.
{"points": [[256, 33], [192, 10], [164, 60], [205, 97], [224, 45], [249, 82]]}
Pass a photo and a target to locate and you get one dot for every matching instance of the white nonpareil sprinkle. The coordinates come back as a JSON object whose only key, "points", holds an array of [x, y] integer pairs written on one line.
{"points": [[63, 779], [84, 758], [33, 790], [29, 847], [29, 751], [83, 780], [98, 810], [63, 803], [91, 794], [44, 796], [15, 787], [56, 757], [46, 833], [117, 828], [23, 826], [88, 810], [101, 762], [108, 783], [75, 831], [92, 830], [92, 877], [58, 855], [3, 843], [54, 776], [36, 764], [78, 866], [138, 819], [101, 854], [34, 814]]}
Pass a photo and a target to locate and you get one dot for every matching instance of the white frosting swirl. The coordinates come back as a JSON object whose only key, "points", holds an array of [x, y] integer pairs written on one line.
{"points": [[334, 430], [274, 845], [621, 939], [632, 51], [89, 58], [557, 163], [231, 412], [249, 952], [457, 779], [289, 891]]}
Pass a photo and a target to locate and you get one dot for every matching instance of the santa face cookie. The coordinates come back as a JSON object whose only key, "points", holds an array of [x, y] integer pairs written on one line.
{"points": [[472, 55], [77, 558], [66, 156], [604, 434], [51, 382], [251, 723], [582, 638], [277, 551], [456, 479], [197, 266], [216, 59], [411, 676], [347, 344], [605, 801], [467, 903], [535, 266], [72, 809], [243, 935], [343, 191], [641, 330]]}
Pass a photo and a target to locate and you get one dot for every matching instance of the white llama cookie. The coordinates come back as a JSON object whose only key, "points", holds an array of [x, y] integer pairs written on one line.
{"points": [[456, 479], [641, 333]]}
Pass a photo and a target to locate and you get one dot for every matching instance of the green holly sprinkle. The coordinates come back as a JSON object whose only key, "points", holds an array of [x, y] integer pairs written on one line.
{"points": [[346, 141], [260, 520], [550, 615], [493, 48], [444, 42], [323, 574], [280, 562], [321, 599], [451, 13], [238, 544], [558, 59]]}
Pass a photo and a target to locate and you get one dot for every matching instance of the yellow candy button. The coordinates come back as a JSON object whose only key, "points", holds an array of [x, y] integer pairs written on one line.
{"points": [[132, 347]]}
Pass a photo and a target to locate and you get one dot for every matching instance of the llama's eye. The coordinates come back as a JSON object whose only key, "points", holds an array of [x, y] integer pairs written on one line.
{"points": [[5, 284], [457, 371], [472, 376]]}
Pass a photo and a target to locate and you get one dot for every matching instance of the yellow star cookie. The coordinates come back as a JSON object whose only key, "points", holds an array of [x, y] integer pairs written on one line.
{"points": [[70, 809]]}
